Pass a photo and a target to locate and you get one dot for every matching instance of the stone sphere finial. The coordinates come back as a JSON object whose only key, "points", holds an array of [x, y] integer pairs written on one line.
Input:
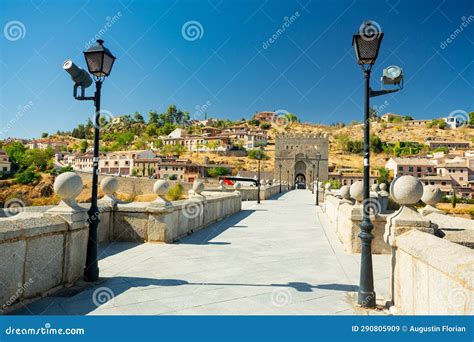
{"points": [[161, 187], [406, 190], [198, 187], [328, 186], [109, 185], [68, 186], [431, 195], [383, 186], [357, 191], [345, 192]]}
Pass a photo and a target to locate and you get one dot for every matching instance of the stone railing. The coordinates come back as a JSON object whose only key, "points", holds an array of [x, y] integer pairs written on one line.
{"points": [[432, 276], [249, 193], [344, 210], [44, 250], [429, 274]]}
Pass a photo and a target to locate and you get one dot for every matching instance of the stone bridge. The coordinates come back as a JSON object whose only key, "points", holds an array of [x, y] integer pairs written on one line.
{"points": [[213, 254]]}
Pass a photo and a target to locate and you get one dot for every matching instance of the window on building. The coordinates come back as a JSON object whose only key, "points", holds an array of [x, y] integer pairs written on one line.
{"points": [[443, 183], [418, 169], [400, 168], [410, 169]]}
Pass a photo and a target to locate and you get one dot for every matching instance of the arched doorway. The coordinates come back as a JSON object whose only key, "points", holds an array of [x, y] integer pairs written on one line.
{"points": [[300, 180]]}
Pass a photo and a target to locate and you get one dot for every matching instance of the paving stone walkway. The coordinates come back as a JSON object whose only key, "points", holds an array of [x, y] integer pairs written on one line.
{"points": [[277, 258]]}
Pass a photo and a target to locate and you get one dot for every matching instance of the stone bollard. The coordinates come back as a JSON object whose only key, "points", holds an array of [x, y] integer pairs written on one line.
{"points": [[431, 196], [68, 186], [375, 189], [345, 192], [109, 185], [221, 186], [383, 197], [357, 192], [160, 188], [406, 191], [198, 188], [327, 190]]}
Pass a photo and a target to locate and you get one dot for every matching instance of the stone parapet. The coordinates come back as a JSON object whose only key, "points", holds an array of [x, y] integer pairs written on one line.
{"points": [[432, 276]]}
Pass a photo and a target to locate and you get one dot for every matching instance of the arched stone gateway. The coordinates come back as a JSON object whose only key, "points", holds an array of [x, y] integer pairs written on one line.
{"points": [[296, 153]]}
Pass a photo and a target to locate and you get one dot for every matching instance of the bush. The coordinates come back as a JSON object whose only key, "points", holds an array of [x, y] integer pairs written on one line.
{"points": [[175, 192], [335, 183], [66, 169], [265, 125], [26, 177], [218, 171], [173, 177]]}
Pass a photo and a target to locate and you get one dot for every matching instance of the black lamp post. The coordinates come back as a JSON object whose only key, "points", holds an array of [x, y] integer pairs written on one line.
{"points": [[366, 45], [318, 159], [259, 157], [99, 63], [312, 179], [280, 177], [288, 177]]}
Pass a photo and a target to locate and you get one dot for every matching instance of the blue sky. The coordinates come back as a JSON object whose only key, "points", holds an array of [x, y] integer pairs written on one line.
{"points": [[231, 69]]}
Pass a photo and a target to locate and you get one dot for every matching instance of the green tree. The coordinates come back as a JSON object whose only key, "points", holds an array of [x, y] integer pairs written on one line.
{"points": [[376, 144], [153, 117], [291, 117], [471, 119], [83, 146], [65, 169], [138, 118], [218, 171], [454, 199], [26, 177], [213, 145], [257, 154], [44, 135], [15, 151], [383, 175]]}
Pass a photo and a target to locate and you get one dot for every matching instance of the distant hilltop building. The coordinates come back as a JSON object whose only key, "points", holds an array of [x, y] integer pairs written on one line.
{"points": [[4, 162], [265, 116]]}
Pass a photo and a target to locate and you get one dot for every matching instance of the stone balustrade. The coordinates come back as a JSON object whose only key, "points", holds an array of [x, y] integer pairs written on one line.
{"points": [[45, 250], [430, 275], [42, 252]]}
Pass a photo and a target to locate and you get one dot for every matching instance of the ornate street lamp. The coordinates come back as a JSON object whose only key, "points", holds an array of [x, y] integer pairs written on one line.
{"points": [[312, 178], [99, 63], [366, 44]]}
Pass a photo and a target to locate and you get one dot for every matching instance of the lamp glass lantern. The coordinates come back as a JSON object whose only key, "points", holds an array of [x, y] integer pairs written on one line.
{"points": [[366, 43], [99, 60]]}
